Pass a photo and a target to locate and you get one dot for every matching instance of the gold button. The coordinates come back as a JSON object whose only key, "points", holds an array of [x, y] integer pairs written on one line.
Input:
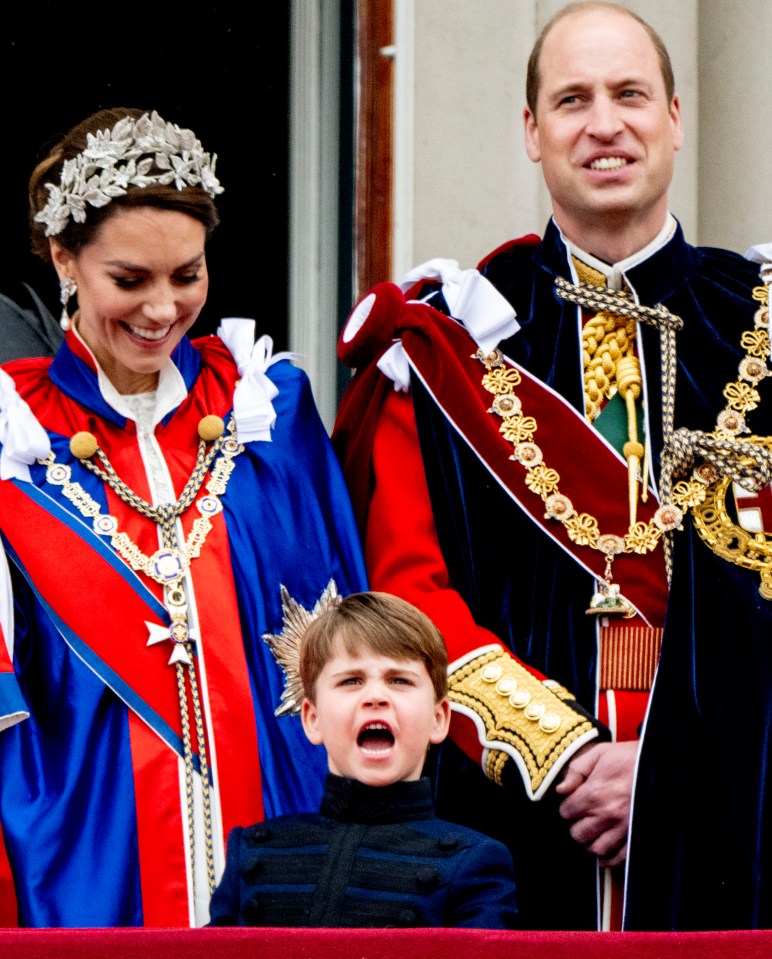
{"points": [[491, 673], [549, 723], [520, 699], [535, 711], [506, 686]]}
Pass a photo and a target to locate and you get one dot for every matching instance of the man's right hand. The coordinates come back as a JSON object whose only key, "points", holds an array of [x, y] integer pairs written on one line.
{"points": [[598, 785]]}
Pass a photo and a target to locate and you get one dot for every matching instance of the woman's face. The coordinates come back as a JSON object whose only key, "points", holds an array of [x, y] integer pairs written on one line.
{"points": [[142, 282]]}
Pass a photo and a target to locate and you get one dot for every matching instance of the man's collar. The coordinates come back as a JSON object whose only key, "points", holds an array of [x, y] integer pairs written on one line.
{"points": [[614, 272], [656, 274]]}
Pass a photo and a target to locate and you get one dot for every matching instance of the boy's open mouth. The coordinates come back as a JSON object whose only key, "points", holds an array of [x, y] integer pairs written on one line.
{"points": [[375, 737]]}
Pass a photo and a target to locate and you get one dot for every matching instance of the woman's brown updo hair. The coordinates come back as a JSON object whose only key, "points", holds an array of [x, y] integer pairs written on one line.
{"points": [[192, 200]]}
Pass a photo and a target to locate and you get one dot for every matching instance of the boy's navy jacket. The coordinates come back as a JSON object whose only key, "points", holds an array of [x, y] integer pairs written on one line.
{"points": [[372, 856]]}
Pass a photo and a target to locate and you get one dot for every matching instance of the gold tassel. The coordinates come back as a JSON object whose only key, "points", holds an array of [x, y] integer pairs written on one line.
{"points": [[629, 384]]}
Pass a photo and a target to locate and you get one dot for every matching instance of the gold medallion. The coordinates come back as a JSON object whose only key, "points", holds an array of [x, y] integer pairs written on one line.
{"points": [[732, 521]]}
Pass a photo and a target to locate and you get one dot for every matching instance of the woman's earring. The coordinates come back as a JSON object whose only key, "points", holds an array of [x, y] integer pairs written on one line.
{"points": [[67, 288]]}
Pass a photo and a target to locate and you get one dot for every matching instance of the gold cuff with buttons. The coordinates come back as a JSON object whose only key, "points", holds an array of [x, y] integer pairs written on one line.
{"points": [[537, 720]]}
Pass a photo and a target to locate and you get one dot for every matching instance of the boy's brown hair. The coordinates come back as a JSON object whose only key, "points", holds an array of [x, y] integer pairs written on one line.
{"points": [[381, 623]]}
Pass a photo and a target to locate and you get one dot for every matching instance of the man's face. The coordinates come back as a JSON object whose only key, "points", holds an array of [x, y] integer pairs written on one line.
{"points": [[604, 131]]}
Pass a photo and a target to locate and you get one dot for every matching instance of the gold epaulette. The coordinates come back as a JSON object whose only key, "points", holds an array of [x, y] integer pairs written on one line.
{"points": [[520, 718]]}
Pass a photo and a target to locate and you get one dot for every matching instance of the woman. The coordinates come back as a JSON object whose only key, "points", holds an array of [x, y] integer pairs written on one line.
{"points": [[165, 505]]}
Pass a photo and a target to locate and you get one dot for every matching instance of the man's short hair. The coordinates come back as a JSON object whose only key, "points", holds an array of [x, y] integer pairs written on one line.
{"points": [[380, 623], [533, 78]]}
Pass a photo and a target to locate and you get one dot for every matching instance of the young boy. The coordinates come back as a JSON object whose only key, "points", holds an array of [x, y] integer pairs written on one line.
{"points": [[374, 673]]}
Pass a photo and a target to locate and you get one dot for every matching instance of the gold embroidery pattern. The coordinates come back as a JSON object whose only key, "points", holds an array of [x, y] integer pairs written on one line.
{"points": [[536, 719]]}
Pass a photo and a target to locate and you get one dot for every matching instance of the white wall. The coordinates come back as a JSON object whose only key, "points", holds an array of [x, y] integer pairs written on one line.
{"points": [[735, 133]]}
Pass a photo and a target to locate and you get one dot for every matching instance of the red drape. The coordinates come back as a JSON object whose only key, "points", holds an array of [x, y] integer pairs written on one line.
{"points": [[376, 944]]}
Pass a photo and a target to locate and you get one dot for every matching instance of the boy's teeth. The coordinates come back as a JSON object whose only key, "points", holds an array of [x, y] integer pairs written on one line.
{"points": [[608, 163]]}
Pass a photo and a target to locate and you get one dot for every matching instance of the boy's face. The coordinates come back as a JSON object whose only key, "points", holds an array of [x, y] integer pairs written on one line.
{"points": [[376, 716]]}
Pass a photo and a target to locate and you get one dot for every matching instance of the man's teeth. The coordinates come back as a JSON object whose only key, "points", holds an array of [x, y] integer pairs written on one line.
{"points": [[149, 334], [608, 163]]}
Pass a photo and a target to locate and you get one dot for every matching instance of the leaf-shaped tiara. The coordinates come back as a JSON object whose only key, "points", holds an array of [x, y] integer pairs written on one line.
{"points": [[122, 157]]}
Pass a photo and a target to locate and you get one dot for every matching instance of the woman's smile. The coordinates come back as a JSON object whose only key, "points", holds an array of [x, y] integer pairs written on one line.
{"points": [[141, 284]]}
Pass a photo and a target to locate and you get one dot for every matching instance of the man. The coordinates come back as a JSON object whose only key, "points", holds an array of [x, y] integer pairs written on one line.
{"points": [[28, 327], [537, 499]]}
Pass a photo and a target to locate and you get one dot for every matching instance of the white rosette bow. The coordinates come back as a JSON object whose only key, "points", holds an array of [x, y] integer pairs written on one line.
{"points": [[252, 400], [471, 298]]}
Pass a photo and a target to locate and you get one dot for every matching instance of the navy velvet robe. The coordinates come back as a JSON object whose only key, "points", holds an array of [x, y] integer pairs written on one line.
{"points": [[700, 853]]}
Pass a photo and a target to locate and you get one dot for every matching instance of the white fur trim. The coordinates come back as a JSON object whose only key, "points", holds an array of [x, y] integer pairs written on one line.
{"points": [[358, 317]]}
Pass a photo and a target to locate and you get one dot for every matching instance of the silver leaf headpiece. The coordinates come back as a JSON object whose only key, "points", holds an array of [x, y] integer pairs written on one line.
{"points": [[122, 157]]}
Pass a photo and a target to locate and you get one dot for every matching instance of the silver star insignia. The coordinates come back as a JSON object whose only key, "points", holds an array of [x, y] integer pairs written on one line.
{"points": [[285, 645]]}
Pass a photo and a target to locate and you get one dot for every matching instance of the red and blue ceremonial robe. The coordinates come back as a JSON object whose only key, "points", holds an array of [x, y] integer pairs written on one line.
{"points": [[92, 784]]}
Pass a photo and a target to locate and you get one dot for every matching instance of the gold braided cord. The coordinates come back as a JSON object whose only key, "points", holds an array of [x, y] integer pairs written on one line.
{"points": [[187, 752], [165, 514], [597, 298], [745, 463], [604, 344], [204, 766], [610, 366], [607, 339]]}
